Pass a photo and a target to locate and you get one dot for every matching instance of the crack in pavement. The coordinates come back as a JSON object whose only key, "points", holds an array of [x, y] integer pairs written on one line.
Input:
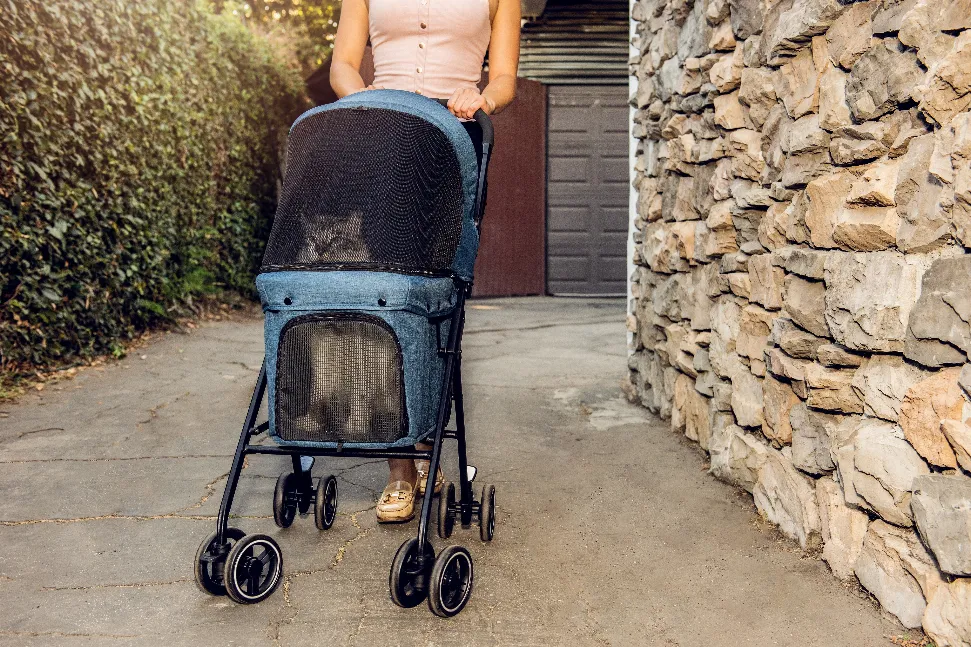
{"points": [[364, 616], [22, 434], [361, 485], [112, 459], [127, 517], [133, 585], [361, 534], [153, 412], [61, 634], [275, 625], [210, 490]]}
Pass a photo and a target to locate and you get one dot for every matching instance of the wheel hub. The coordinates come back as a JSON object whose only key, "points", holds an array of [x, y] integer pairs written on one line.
{"points": [[253, 567]]}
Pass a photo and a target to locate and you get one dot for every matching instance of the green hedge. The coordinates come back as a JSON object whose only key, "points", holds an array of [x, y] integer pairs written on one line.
{"points": [[139, 146]]}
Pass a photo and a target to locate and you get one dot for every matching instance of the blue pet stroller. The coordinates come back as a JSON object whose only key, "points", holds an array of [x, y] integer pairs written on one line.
{"points": [[363, 286]]}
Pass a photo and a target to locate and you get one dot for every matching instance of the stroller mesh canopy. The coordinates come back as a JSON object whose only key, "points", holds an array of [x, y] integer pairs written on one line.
{"points": [[368, 188], [340, 379]]}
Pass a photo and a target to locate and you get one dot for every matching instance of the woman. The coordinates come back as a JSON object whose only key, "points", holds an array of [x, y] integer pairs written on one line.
{"points": [[435, 48]]}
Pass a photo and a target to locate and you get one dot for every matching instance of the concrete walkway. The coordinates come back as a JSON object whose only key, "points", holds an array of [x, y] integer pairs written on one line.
{"points": [[610, 532]]}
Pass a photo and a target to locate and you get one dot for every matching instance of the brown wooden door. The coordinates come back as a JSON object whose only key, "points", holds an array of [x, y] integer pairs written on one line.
{"points": [[512, 254]]}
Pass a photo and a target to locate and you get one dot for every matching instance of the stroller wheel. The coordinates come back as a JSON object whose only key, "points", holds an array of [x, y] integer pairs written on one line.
{"points": [[325, 506], [305, 492], [450, 584], [285, 499], [408, 583], [487, 513], [210, 562], [446, 511], [254, 568]]}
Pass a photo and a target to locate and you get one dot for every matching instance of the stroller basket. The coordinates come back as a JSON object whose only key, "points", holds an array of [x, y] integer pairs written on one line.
{"points": [[340, 380]]}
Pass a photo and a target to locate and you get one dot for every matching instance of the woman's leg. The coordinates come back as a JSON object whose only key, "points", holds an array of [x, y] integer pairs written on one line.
{"points": [[402, 469], [422, 467]]}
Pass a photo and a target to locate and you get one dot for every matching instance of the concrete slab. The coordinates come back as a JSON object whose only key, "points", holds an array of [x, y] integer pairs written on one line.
{"points": [[610, 532]]}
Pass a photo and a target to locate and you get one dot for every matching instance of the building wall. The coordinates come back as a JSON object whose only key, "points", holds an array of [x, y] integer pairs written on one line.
{"points": [[801, 287]]}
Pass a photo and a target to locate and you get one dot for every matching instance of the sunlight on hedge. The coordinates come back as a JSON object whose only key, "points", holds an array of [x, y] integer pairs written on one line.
{"points": [[138, 167]]}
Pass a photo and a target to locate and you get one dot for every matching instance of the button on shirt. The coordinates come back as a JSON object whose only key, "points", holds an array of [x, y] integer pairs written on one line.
{"points": [[432, 47]]}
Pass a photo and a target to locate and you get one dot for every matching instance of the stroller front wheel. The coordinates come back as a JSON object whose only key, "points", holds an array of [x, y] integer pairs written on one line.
{"points": [[254, 568], [210, 562], [450, 584], [408, 581]]}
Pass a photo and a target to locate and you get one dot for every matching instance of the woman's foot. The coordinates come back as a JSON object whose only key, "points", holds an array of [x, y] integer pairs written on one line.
{"points": [[397, 503], [422, 467]]}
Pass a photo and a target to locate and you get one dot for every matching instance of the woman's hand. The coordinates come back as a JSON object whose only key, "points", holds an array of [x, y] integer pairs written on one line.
{"points": [[466, 101]]}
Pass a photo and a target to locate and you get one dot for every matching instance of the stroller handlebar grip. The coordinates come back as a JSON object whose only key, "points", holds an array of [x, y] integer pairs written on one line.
{"points": [[481, 118]]}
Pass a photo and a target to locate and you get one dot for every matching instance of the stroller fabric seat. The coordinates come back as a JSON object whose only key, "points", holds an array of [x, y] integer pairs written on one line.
{"points": [[386, 395], [375, 226]]}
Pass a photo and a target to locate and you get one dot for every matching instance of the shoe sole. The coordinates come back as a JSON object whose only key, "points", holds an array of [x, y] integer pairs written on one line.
{"points": [[397, 519]]}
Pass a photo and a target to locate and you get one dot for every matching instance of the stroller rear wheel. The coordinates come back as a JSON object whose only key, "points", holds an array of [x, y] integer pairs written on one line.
{"points": [[446, 511], [286, 498], [408, 581], [325, 506], [210, 562], [487, 513], [450, 584], [254, 568]]}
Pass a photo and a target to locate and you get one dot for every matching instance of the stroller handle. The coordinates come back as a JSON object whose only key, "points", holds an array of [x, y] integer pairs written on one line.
{"points": [[481, 118]]}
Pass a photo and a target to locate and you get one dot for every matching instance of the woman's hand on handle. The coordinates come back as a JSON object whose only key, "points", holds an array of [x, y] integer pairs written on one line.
{"points": [[465, 101], [370, 87]]}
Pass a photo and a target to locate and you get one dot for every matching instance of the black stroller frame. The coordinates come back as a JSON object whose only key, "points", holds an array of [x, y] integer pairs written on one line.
{"points": [[248, 568]]}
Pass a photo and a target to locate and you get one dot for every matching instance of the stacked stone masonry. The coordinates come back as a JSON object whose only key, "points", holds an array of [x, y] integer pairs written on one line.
{"points": [[801, 299]]}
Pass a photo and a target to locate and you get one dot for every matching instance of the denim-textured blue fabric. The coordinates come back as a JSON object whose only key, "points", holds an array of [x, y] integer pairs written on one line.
{"points": [[409, 304], [437, 114], [413, 306]]}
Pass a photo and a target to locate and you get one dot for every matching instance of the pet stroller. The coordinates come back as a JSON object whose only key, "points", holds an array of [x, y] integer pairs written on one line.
{"points": [[363, 286]]}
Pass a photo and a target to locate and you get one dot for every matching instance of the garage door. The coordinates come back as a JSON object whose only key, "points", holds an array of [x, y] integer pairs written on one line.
{"points": [[587, 190]]}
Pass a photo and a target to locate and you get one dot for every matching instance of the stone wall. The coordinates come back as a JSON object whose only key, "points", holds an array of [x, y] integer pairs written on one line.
{"points": [[802, 290]]}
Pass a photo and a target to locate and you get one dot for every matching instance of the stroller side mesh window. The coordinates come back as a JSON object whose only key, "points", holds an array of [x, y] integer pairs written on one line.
{"points": [[368, 188], [340, 379]]}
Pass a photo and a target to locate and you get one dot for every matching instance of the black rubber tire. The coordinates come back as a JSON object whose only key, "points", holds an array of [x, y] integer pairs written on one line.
{"points": [[446, 510], [209, 573], [305, 495], [285, 499], [241, 569], [450, 584], [487, 513], [408, 583], [325, 507]]}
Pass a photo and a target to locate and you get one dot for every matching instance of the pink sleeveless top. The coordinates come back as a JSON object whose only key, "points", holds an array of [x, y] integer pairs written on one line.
{"points": [[432, 47]]}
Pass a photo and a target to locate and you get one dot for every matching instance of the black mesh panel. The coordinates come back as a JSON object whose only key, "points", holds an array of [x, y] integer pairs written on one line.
{"points": [[367, 188], [339, 379]]}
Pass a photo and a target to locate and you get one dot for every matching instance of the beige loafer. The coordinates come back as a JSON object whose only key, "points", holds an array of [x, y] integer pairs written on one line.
{"points": [[422, 467], [397, 503]]}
